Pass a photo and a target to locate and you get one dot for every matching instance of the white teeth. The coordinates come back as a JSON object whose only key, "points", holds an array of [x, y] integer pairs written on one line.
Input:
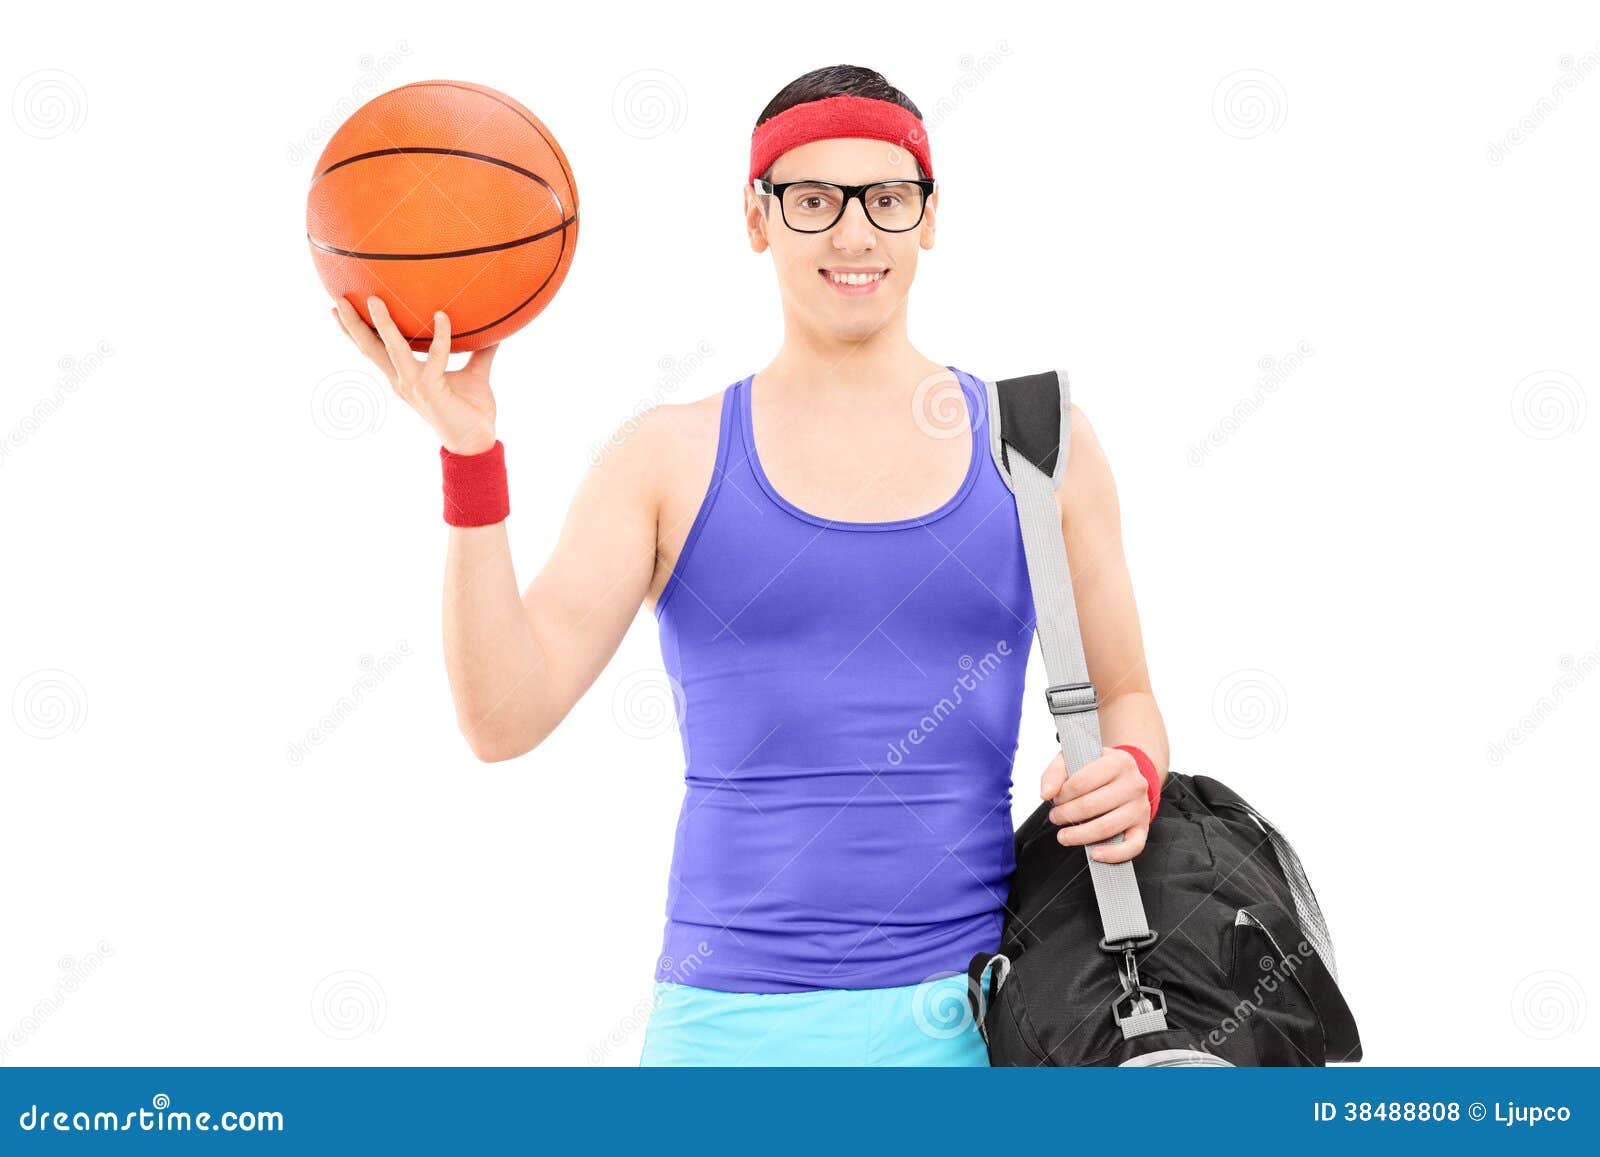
{"points": [[855, 278]]}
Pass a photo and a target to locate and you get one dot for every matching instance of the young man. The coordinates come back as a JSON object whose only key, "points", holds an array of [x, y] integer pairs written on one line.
{"points": [[839, 579]]}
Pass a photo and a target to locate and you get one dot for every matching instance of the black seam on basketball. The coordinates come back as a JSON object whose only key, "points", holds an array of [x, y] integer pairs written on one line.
{"points": [[543, 233], [520, 307], [400, 150], [554, 150]]}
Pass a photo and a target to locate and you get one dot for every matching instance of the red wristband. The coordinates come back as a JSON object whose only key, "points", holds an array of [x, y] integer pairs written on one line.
{"points": [[475, 491], [1147, 768]]}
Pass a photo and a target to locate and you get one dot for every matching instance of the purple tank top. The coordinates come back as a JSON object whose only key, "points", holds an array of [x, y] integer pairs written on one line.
{"points": [[850, 697]]}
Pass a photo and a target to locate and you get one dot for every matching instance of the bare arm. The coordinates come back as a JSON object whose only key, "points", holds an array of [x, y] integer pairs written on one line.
{"points": [[1113, 645], [518, 663], [1108, 796]]}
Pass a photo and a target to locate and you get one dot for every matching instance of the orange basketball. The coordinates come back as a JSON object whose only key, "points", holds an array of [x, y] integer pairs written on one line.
{"points": [[444, 195]]}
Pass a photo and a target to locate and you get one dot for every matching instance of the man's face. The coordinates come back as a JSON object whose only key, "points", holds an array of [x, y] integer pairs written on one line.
{"points": [[802, 260]]}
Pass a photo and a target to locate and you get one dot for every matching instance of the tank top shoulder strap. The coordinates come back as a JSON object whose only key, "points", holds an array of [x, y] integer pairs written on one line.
{"points": [[730, 457]]}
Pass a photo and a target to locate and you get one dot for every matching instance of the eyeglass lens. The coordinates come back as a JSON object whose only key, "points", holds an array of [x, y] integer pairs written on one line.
{"points": [[893, 206]]}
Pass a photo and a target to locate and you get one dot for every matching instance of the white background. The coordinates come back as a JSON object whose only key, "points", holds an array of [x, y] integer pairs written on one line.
{"points": [[214, 518]]}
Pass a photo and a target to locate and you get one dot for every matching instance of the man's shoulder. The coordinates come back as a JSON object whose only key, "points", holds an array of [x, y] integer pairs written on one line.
{"points": [[678, 433], [661, 446], [655, 428]]}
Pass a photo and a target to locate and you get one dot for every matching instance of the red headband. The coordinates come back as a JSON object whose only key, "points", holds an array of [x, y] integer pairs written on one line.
{"points": [[839, 116]]}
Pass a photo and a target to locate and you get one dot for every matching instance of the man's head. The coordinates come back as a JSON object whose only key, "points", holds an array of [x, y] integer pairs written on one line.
{"points": [[806, 261]]}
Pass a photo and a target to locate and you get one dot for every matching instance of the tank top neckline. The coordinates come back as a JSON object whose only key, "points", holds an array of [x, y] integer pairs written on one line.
{"points": [[976, 409]]}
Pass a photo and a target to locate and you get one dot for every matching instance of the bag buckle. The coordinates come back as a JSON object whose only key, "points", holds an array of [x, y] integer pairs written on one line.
{"points": [[1143, 1013], [1128, 943], [1070, 698], [1141, 1008]]}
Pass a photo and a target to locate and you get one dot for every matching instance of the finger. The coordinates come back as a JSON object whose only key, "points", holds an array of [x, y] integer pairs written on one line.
{"points": [[481, 360], [1102, 827], [393, 341], [1132, 844], [361, 333], [1096, 773], [438, 348], [1054, 776], [1101, 801]]}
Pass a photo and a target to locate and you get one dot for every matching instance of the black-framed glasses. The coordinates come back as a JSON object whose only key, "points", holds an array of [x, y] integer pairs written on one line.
{"points": [[816, 206]]}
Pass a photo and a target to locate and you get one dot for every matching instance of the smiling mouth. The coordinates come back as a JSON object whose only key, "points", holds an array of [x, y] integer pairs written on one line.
{"points": [[854, 284]]}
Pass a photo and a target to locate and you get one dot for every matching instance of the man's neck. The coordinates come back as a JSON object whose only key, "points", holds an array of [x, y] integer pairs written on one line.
{"points": [[821, 367]]}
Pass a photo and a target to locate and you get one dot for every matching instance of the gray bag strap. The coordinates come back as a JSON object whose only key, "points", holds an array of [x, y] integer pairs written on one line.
{"points": [[1028, 436]]}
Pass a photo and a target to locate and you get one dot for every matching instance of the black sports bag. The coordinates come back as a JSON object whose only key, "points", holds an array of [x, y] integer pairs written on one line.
{"points": [[1207, 948]]}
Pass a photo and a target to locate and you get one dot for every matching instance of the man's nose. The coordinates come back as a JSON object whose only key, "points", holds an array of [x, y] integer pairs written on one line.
{"points": [[854, 231]]}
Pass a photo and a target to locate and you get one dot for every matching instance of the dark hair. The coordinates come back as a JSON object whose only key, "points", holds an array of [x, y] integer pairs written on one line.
{"points": [[835, 79]]}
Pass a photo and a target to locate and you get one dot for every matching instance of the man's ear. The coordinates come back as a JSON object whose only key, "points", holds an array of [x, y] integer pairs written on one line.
{"points": [[755, 219], [925, 237]]}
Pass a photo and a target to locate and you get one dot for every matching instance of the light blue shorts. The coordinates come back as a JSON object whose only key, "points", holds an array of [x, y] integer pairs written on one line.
{"points": [[914, 1024]]}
